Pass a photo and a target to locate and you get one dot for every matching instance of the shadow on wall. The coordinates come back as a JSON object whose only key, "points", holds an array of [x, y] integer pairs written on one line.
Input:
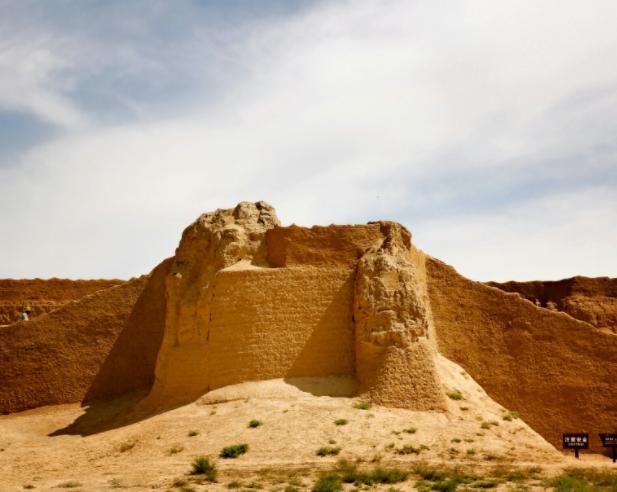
{"points": [[127, 374]]}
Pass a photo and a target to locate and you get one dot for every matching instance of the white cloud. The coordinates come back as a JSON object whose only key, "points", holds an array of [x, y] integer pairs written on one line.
{"points": [[346, 113]]}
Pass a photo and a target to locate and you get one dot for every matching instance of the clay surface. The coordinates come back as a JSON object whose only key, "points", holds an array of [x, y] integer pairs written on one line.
{"points": [[593, 300], [42, 296], [559, 373]]}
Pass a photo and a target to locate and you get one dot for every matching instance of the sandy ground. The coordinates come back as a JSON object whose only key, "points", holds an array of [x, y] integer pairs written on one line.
{"points": [[45, 447]]}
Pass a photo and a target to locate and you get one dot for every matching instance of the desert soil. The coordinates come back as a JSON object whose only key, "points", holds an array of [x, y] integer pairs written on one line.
{"points": [[52, 447]]}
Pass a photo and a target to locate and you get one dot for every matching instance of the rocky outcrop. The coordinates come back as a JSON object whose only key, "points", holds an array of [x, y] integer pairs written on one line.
{"points": [[593, 300], [42, 296]]}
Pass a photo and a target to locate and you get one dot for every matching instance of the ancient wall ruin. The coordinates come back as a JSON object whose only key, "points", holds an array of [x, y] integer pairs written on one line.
{"points": [[42, 296], [54, 358], [559, 373], [593, 300]]}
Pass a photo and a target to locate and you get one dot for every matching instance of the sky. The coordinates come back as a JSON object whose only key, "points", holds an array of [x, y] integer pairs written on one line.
{"points": [[489, 129]]}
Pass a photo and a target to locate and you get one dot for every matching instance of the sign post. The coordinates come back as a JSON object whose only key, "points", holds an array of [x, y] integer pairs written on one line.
{"points": [[610, 441], [576, 441]]}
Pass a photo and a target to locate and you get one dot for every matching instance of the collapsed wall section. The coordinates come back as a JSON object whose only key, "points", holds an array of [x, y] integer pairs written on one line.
{"points": [[557, 372]]}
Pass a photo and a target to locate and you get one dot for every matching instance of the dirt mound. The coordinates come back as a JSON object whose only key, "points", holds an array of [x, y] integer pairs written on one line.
{"points": [[42, 296]]}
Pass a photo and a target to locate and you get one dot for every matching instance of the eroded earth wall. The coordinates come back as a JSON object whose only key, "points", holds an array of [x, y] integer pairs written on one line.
{"points": [[42, 296], [558, 372], [593, 300], [55, 357]]}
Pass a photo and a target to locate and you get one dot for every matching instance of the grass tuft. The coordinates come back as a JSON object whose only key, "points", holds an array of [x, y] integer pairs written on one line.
{"points": [[455, 395], [204, 466], [234, 451], [362, 405], [255, 423], [341, 422], [328, 451]]}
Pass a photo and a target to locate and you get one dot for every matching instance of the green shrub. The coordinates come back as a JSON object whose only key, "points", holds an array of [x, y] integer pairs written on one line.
{"points": [[362, 405], [510, 416], [485, 484], [389, 475], [254, 423], [234, 451], [328, 482], [204, 466], [340, 422], [455, 395], [328, 451]]}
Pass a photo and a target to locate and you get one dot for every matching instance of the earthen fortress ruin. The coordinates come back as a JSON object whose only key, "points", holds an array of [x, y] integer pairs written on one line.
{"points": [[245, 299]]}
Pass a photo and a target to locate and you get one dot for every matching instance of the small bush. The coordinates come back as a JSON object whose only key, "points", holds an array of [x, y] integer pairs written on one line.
{"points": [[389, 475], [485, 425], [234, 485], [255, 423], [455, 395], [362, 405], [69, 485], [193, 433], [464, 409], [456, 440], [234, 451], [485, 484], [408, 449], [510, 416], [341, 422], [175, 450], [471, 452], [204, 466], [28, 486], [328, 451], [410, 430], [180, 482], [115, 484], [328, 482]]}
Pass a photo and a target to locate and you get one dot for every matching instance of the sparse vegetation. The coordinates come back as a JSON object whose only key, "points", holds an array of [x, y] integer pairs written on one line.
{"points": [[28, 486], [362, 405], [328, 451], [328, 482], [255, 423], [175, 450], [510, 416], [341, 422], [114, 483], [455, 395], [456, 440], [408, 449], [193, 433], [485, 425], [584, 480], [234, 451], [471, 452], [68, 485], [234, 485], [410, 430], [202, 465]]}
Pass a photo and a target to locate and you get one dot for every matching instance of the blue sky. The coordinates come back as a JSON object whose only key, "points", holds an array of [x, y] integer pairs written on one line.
{"points": [[488, 128]]}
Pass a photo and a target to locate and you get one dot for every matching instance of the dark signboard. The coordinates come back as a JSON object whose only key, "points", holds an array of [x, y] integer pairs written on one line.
{"points": [[576, 441], [610, 441]]}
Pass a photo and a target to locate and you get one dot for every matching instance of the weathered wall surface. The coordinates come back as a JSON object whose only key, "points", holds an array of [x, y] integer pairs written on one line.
{"points": [[54, 358], [593, 300], [131, 361], [42, 296], [558, 372], [249, 300]]}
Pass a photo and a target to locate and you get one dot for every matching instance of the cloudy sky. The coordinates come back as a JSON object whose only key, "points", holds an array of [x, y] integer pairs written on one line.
{"points": [[488, 128]]}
